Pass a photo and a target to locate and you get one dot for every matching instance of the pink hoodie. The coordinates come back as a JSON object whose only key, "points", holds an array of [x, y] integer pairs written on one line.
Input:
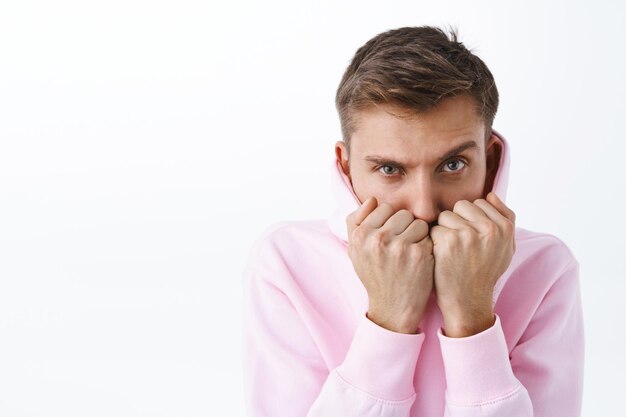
{"points": [[309, 349]]}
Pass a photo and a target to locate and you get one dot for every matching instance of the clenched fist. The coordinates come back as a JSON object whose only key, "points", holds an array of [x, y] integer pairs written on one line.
{"points": [[473, 246], [392, 254]]}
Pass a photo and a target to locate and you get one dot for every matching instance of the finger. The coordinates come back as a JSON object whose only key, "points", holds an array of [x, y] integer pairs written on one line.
{"points": [[452, 220], [436, 232], [500, 206], [416, 231], [378, 216], [469, 211], [398, 222], [494, 215], [355, 218]]}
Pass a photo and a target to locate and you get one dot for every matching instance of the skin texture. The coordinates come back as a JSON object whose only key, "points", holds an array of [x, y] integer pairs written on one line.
{"points": [[432, 225]]}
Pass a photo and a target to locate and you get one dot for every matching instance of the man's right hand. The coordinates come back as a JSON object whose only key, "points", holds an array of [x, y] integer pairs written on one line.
{"points": [[392, 253]]}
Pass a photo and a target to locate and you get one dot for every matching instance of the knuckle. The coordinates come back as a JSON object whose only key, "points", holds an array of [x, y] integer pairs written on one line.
{"points": [[423, 250], [380, 237], [397, 247], [418, 250], [509, 226], [459, 204], [492, 228], [463, 234], [359, 234], [425, 244]]}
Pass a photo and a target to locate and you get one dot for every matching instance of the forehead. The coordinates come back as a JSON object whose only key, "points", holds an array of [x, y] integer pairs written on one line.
{"points": [[424, 135]]}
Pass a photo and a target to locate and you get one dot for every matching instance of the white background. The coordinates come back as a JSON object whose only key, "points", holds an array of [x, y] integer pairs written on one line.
{"points": [[144, 145]]}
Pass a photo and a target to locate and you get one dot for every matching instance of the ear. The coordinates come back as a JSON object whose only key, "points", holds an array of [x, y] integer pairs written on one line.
{"points": [[341, 153], [494, 153]]}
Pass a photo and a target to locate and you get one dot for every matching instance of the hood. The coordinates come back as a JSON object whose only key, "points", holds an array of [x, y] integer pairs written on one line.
{"points": [[347, 201]]}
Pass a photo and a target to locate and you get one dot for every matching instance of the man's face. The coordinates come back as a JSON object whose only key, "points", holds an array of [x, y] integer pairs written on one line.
{"points": [[412, 163]]}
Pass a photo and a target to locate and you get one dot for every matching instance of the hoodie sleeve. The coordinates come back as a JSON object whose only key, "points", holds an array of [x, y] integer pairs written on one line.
{"points": [[286, 375], [543, 375]]}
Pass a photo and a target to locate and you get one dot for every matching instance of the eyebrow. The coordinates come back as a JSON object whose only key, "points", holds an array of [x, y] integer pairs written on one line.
{"points": [[452, 152]]}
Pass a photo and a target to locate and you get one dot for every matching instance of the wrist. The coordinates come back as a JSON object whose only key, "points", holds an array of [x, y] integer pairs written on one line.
{"points": [[406, 326], [464, 323]]}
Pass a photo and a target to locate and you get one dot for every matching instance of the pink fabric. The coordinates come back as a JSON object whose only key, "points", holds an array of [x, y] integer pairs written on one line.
{"points": [[310, 350]]}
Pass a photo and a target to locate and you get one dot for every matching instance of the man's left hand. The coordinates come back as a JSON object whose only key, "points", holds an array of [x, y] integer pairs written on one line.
{"points": [[473, 246]]}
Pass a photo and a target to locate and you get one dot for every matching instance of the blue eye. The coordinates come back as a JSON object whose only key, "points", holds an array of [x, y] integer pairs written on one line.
{"points": [[455, 162], [386, 174]]}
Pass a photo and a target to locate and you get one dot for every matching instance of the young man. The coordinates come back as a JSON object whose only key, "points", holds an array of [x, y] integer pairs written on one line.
{"points": [[418, 296]]}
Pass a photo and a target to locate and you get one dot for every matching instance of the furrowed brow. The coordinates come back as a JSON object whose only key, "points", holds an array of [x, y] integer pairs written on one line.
{"points": [[381, 160], [470, 144]]}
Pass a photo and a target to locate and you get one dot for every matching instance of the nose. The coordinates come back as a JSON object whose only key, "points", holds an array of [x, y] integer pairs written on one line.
{"points": [[424, 201]]}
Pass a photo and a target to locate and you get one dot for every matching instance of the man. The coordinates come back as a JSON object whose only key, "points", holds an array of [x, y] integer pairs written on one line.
{"points": [[419, 295]]}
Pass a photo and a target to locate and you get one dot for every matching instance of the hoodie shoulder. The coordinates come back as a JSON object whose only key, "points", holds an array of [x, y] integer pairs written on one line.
{"points": [[292, 241], [544, 243], [289, 231]]}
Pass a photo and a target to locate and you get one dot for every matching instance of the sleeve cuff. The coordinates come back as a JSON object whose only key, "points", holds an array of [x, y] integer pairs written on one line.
{"points": [[382, 362], [477, 367]]}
